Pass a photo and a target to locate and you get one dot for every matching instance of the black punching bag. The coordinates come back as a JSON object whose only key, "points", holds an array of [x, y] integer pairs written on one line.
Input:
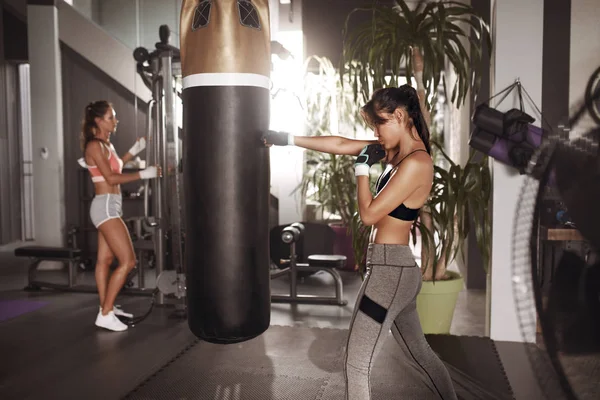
{"points": [[225, 61]]}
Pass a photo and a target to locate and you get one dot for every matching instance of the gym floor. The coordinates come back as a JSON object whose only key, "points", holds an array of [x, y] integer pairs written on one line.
{"points": [[54, 351]]}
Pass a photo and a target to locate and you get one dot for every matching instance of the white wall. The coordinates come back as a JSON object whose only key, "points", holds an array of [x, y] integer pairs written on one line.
{"points": [[585, 53], [119, 18], [133, 22], [46, 124], [517, 54], [153, 14], [85, 7], [108, 54]]}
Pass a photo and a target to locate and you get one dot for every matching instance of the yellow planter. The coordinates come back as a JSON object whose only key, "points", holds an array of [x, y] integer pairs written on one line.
{"points": [[436, 302]]}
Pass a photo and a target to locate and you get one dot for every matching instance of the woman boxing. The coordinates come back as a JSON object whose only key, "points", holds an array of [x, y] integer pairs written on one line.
{"points": [[388, 293], [105, 168]]}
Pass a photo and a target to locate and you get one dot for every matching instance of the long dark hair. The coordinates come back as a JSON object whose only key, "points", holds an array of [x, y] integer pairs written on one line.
{"points": [[387, 100], [92, 111]]}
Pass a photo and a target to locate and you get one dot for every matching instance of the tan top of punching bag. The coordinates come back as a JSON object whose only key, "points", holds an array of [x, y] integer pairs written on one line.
{"points": [[224, 44]]}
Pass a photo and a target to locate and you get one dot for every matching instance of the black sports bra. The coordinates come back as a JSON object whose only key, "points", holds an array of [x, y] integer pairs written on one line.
{"points": [[401, 212]]}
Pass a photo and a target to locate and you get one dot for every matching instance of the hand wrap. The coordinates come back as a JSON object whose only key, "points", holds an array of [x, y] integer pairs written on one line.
{"points": [[149, 173], [138, 146], [279, 138]]}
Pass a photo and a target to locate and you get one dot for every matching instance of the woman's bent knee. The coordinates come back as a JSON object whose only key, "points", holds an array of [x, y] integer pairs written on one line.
{"points": [[130, 264]]}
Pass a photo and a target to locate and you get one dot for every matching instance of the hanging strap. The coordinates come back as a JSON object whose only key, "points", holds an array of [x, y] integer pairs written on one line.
{"points": [[520, 89], [537, 109], [573, 120], [396, 165], [506, 91]]}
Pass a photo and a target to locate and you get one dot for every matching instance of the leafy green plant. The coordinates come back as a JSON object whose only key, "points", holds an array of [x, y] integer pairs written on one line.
{"points": [[329, 180], [399, 42], [457, 195]]}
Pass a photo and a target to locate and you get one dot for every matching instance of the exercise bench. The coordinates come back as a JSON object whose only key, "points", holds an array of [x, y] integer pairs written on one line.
{"points": [[72, 258], [328, 263], [37, 254]]}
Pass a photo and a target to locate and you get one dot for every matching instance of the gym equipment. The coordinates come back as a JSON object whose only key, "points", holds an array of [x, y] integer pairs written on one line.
{"points": [[593, 106], [225, 59], [72, 258], [37, 254], [279, 366], [160, 70], [564, 315], [507, 137], [291, 235]]}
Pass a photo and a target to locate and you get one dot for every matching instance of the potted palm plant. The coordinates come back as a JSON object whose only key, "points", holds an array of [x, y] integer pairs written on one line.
{"points": [[399, 42], [423, 42], [458, 196]]}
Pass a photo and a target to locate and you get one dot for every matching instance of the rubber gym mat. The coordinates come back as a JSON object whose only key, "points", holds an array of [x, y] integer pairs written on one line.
{"points": [[474, 364], [285, 363], [57, 352]]}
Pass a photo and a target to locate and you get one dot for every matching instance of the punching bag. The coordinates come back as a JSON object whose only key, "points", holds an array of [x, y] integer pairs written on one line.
{"points": [[225, 61]]}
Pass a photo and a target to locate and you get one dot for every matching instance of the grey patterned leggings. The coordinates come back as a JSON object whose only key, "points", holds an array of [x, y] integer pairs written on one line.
{"points": [[388, 297]]}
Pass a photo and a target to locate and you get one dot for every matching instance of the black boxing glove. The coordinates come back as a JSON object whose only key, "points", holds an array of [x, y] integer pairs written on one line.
{"points": [[278, 138], [368, 156]]}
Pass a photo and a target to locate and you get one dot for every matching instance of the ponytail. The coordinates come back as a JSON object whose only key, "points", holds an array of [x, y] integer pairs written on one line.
{"points": [[418, 120], [88, 126]]}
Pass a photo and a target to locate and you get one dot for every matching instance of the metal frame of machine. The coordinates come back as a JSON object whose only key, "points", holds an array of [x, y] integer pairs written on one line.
{"points": [[327, 263]]}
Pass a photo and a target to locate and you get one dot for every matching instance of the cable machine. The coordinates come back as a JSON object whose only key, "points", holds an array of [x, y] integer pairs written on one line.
{"points": [[160, 71]]}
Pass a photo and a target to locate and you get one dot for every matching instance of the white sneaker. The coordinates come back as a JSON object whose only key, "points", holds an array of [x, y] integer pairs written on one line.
{"points": [[118, 311], [110, 322]]}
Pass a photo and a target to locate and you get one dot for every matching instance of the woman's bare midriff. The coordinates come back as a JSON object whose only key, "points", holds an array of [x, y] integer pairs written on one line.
{"points": [[104, 188], [391, 230]]}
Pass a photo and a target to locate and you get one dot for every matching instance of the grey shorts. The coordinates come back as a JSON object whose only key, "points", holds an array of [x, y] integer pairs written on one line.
{"points": [[105, 207]]}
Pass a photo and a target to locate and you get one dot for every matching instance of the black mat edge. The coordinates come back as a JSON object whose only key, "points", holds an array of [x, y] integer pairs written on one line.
{"points": [[161, 368]]}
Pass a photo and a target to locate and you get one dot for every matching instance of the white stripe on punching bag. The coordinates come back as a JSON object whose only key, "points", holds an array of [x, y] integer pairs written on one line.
{"points": [[227, 79]]}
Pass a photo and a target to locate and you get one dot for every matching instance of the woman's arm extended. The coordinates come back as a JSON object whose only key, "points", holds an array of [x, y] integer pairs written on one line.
{"points": [[332, 144], [325, 144], [139, 145]]}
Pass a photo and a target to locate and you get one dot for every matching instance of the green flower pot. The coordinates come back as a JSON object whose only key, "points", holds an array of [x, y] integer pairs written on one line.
{"points": [[436, 302]]}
